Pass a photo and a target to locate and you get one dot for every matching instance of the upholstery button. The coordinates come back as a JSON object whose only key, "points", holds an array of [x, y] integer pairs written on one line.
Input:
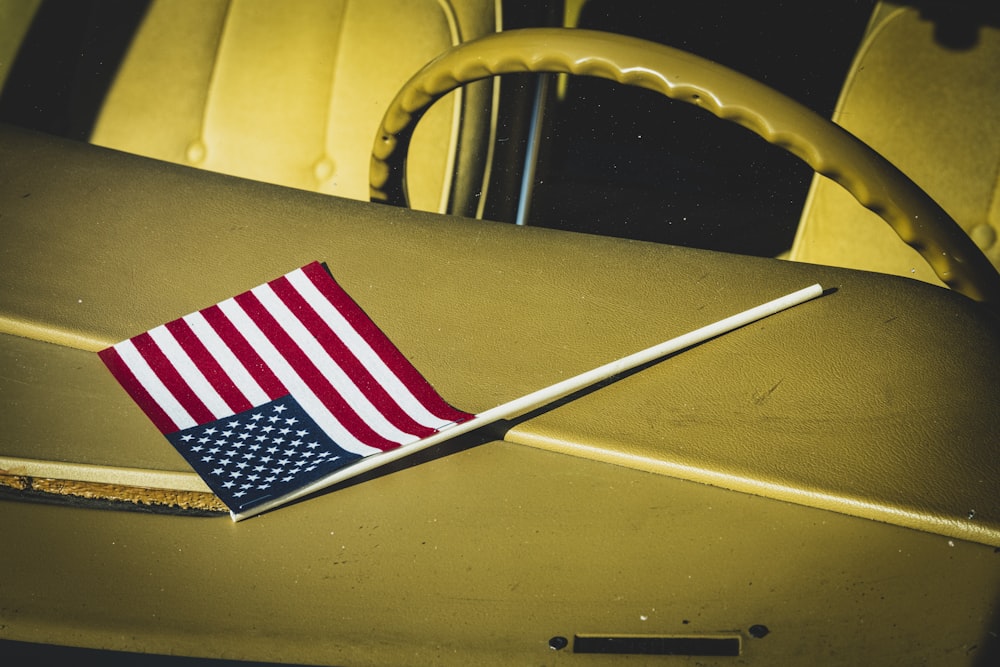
{"points": [[323, 169], [195, 152]]}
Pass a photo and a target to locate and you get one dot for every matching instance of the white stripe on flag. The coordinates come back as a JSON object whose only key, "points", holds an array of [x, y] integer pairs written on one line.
{"points": [[328, 366], [296, 385], [189, 372], [236, 372], [154, 387], [364, 352]]}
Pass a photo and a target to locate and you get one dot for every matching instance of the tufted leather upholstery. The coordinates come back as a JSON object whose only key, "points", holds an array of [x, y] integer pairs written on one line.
{"points": [[294, 95]]}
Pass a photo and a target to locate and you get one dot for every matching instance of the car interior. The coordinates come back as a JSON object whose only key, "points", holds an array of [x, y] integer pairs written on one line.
{"points": [[516, 192]]}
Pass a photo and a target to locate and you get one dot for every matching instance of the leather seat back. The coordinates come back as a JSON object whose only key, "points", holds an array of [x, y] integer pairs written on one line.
{"points": [[294, 94], [931, 108]]}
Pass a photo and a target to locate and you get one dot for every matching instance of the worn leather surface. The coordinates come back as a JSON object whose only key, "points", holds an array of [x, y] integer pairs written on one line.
{"points": [[875, 401], [482, 552], [481, 557]]}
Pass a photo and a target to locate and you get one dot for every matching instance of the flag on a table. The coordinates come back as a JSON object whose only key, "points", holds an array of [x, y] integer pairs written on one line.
{"points": [[275, 388]]}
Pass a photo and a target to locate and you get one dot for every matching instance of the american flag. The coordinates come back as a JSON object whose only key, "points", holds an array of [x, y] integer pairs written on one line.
{"points": [[277, 387]]}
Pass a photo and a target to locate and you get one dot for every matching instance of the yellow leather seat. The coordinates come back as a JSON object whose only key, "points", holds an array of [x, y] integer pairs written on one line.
{"points": [[254, 89], [934, 111]]}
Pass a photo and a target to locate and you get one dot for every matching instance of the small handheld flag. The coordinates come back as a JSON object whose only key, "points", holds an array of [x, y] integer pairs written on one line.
{"points": [[290, 388], [277, 387]]}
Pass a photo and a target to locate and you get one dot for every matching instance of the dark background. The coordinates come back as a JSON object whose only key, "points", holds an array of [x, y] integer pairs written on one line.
{"points": [[622, 161]]}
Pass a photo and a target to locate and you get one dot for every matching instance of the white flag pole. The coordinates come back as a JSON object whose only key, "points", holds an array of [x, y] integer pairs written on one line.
{"points": [[543, 396]]}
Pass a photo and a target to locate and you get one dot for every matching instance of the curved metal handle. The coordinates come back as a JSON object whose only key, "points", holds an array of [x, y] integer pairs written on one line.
{"points": [[827, 148]]}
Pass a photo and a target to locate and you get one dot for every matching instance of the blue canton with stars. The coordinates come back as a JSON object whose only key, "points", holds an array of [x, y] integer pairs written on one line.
{"points": [[260, 454]]}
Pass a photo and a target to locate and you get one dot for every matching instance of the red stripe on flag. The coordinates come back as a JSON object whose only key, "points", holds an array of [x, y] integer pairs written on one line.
{"points": [[171, 379], [243, 351], [309, 374], [121, 372], [208, 365], [383, 347], [345, 358]]}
